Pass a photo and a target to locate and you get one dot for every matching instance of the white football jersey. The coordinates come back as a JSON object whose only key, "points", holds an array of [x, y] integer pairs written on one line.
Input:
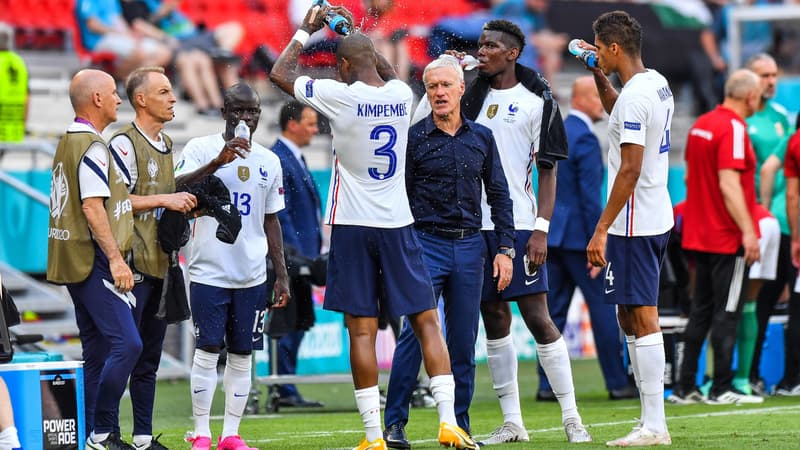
{"points": [[370, 134], [256, 188], [642, 115]]}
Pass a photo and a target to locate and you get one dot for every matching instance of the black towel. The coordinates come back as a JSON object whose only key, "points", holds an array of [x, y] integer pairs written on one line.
{"points": [[552, 136]]}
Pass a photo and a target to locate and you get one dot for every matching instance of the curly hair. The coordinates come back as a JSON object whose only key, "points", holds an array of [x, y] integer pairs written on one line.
{"points": [[514, 38], [621, 28]]}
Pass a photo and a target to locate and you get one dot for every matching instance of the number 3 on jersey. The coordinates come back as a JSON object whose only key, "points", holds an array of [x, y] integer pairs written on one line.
{"points": [[386, 150]]}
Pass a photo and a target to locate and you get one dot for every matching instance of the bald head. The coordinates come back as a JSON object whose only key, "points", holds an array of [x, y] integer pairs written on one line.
{"points": [[586, 99], [358, 49], [740, 84], [85, 85]]}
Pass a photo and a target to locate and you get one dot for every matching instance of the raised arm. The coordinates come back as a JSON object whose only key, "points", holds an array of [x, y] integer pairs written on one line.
{"points": [[284, 73]]}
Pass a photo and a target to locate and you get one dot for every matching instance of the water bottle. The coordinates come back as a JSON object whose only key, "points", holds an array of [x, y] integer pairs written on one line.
{"points": [[469, 62], [336, 22], [242, 131], [587, 56]]}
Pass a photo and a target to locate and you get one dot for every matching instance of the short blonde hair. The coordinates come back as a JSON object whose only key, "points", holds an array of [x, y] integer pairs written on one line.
{"points": [[741, 83], [137, 78]]}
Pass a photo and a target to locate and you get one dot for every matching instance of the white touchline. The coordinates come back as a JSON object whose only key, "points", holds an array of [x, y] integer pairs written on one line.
{"points": [[287, 435]]}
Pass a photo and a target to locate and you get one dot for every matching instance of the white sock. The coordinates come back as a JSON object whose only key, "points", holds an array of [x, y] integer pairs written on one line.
{"points": [[650, 356], [9, 438], [630, 342], [203, 383], [98, 437], [236, 381], [368, 401], [502, 360], [141, 440], [554, 358], [443, 388]]}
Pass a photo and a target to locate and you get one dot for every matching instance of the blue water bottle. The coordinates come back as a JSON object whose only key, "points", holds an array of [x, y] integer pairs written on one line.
{"points": [[336, 22], [587, 56]]}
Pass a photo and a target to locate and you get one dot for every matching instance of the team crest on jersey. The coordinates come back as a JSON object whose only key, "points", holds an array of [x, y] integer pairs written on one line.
{"points": [[59, 191], [244, 173], [152, 168], [492, 111]]}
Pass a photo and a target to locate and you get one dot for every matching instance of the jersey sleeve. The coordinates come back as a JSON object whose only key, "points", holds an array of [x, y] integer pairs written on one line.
{"points": [[275, 200], [93, 172], [634, 116], [732, 147], [325, 95], [422, 111], [791, 165], [190, 158], [125, 156]]}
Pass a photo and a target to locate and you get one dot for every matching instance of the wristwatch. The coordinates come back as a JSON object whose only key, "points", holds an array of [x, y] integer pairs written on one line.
{"points": [[508, 251]]}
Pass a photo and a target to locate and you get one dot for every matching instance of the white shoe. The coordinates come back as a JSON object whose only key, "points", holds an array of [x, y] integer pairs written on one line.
{"points": [[691, 398], [576, 432], [641, 437], [788, 391], [507, 432], [733, 397]]}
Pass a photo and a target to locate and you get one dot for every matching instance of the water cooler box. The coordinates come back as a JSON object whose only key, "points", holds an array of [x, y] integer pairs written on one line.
{"points": [[47, 399]]}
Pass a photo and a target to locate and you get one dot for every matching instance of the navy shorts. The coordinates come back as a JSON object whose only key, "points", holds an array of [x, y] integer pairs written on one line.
{"points": [[634, 268], [233, 318], [375, 269], [521, 284]]}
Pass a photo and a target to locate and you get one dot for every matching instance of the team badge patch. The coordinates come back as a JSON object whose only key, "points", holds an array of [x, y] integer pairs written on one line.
{"points": [[310, 88], [152, 168], [492, 111], [59, 192], [635, 126], [244, 173]]}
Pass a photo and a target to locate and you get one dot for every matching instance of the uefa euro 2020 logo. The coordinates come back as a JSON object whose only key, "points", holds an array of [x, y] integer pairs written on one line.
{"points": [[59, 192]]}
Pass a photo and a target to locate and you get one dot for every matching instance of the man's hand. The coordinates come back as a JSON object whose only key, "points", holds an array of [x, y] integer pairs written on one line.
{"points": [[796, 253], [180, 201], [752, 251], [315, 19], [536, 249], [596, 250], [594, 271], [235, 147], [123, 277], [503, 271], [281, 290]]}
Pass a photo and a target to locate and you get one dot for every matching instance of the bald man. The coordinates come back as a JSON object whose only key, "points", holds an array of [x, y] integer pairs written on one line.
{"points": [[90, 237], [577, 209], [373, 244]]}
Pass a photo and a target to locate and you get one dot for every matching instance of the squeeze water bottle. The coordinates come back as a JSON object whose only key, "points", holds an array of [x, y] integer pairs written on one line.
{"points": [[469, 62], [242, 131], [336, 22], [587, 56]]}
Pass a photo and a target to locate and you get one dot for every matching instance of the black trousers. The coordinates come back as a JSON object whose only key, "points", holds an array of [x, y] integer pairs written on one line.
{"points": [[719, 293], [767, 299]]}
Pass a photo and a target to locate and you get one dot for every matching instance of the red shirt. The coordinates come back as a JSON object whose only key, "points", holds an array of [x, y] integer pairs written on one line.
{"points": [[718, 140], [791, 163]]}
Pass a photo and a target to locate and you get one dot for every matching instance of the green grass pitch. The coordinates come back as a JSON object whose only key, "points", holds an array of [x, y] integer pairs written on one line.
{"points": [[775, 424]]}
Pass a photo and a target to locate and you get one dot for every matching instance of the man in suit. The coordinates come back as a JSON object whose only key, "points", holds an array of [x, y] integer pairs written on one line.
{"points": [[300, 222], [577, 209]]}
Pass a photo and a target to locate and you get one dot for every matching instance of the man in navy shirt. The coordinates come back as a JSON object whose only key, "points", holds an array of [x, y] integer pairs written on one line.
{"points": [[448, 162]]}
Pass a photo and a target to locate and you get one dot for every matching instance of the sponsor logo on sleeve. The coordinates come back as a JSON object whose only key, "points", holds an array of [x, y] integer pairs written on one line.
{"points": [[310, 88], [636, 126]]}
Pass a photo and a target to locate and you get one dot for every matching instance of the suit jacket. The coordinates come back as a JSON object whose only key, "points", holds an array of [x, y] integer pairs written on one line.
{"points": [[300, 220], [578, 191]]}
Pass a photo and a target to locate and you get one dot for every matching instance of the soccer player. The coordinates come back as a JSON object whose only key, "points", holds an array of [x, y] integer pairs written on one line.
{"points": [[631, 236], [90, 236], [511, 100], [228, 289], [144, 153], [372, 239]]}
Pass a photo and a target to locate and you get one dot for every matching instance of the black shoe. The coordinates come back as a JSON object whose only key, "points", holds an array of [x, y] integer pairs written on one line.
{"points": [[298, 402], [112, 442], [546, 396], [153, 445], [624, 393], [395, 437]]}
